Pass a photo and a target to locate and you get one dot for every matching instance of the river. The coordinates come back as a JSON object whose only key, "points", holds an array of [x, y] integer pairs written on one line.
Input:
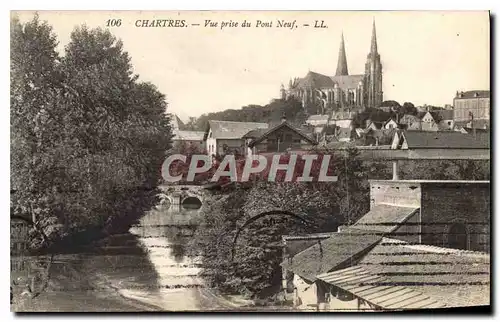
{"points": [[145, 269]]}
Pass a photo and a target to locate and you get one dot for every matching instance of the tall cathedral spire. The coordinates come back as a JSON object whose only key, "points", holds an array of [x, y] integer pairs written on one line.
{"points": [[342, 63], [373, 49]]}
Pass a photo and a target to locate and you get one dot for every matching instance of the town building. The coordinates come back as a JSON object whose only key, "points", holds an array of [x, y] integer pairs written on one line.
{"points": [[376, 263], [227, 137], [411, 122], [188, 139], [283, 137], [342, 91], [472, 106]]}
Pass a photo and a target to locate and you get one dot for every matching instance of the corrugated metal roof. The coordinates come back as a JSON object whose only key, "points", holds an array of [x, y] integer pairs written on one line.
{"points": [[371, 288]]}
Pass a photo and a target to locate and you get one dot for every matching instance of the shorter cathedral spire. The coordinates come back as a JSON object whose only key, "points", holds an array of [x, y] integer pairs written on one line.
{"points": [[342, 62], [373, 48]]}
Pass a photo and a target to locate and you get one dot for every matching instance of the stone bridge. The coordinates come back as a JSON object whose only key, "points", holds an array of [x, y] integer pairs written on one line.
{"points": [[183, 195]]}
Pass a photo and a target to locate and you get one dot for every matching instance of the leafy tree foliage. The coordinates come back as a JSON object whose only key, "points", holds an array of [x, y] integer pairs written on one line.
{"points": [[88, 139], [408, 108]]}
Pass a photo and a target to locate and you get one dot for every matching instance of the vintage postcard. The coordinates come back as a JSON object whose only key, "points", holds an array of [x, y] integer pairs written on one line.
{"points": [[250, 161]]}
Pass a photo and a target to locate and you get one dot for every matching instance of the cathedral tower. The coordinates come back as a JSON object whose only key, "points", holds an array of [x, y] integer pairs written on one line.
{"points": [[373, 74], [342, 62]]}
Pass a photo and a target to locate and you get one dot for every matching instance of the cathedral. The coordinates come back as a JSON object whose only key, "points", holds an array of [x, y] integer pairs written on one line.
{"points": [[342, 92]]}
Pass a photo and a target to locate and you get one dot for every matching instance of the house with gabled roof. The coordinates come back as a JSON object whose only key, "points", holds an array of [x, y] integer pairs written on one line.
{"points": [[283, 137], [390, 124], [226, 137], [411, 122]]}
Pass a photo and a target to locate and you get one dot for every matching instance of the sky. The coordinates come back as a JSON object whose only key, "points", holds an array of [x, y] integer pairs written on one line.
{"points": [[426, 56]]}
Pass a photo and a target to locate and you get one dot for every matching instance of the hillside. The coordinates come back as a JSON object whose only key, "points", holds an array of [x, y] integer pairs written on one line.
{"points": [[270, 113]]}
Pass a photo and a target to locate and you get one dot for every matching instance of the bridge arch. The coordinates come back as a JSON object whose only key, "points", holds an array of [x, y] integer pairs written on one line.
{"points": [[192, 202]]}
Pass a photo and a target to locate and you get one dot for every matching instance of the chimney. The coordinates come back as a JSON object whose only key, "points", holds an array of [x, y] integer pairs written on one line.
{"points": [[283, 118]]}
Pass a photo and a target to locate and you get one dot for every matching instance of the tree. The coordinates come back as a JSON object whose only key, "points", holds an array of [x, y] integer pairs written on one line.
{"points": [[408, 108], [393, 105], [91, 149], [33, 94]]}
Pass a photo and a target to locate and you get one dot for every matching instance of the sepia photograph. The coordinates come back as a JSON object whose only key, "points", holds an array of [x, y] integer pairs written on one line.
{"points": [[250, 161]]}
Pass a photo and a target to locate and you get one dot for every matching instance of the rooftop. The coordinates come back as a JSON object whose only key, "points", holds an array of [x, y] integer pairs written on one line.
{"points": [[384, 218], [188, 135], [329, 254], [448, 140], [232, 130], [441, 276], [473, 94]]}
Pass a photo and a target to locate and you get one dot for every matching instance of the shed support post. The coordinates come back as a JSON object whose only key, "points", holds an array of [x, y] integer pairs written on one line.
{"points": [[395, 175]]}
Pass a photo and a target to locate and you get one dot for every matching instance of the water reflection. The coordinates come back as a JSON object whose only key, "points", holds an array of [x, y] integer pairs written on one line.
{"points": [[148, 265], [164, 233]]}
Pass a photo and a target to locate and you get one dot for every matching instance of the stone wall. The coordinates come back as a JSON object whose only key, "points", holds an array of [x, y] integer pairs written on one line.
{"points": [[446, 204], [396, 193]]}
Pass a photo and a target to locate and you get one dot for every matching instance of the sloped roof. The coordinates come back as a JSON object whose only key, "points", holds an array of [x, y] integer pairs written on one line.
{"points": [[348, 81], [372, 288], [232, 130], [176, 122], [329, 254], [315, 80], [376, 124], [473, 94], [188, 135], [343, 115], [301, 132], [318, 117], [409, 117], [253, 134], [445, 114], [451, 140], [447, 276], [384, 218], [453, 277]]}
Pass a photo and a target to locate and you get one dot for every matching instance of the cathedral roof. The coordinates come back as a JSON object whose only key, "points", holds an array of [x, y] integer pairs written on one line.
{"points": [[316, 80], [348, 81]]}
